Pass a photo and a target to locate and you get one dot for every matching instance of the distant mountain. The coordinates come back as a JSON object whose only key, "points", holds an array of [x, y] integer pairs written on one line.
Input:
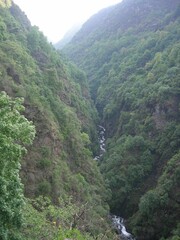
{"points": [[68, 36], [131, 55], [114, 22], [5, 3]]}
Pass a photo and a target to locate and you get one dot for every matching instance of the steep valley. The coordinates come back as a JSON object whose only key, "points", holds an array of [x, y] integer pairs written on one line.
{"points": [[131, 55], [125, 78]]}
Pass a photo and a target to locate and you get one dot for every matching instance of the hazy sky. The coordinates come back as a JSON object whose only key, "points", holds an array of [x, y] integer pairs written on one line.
{"points": [[56, 17]]}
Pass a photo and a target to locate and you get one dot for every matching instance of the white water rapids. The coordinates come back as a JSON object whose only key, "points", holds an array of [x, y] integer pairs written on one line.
{"points": [[118, 222], [101, 142]]}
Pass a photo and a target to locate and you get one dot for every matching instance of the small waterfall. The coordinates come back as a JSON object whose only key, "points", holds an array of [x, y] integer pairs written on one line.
{"points": [[101, 139], [118, 222]]}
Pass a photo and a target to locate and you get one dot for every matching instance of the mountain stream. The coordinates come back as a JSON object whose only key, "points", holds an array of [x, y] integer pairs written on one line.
{"points": [[118, 222]]}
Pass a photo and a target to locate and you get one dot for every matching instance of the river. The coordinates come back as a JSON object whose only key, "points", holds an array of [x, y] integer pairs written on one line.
{"points": [[118, 222], [101, 138]]}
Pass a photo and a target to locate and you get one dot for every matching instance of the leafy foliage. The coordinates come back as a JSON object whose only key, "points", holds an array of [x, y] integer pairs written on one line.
{"points": [[159, 208], [15, 132], [65, 220]]}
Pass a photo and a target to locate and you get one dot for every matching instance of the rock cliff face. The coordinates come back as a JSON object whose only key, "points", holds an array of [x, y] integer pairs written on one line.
{"points": [[130, 53]]}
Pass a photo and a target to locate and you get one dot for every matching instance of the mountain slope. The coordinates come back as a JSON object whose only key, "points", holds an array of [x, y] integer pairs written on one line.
{"points": [[112, 25], [131, 54], [59, 166]]}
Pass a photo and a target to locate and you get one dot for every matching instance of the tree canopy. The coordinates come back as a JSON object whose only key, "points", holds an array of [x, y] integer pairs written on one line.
{"points": [[16, 132]]}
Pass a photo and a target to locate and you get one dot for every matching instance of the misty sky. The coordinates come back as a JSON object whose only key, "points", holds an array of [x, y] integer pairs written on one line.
{"points": [[56, 17]]}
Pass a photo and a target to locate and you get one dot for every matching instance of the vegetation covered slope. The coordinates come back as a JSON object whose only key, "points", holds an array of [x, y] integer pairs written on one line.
{"points": [[15, 133], [131, 54], [59, 165]]}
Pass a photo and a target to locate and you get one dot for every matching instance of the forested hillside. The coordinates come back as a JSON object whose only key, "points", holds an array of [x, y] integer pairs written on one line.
{"points": [[65, 194], [131, 55]]}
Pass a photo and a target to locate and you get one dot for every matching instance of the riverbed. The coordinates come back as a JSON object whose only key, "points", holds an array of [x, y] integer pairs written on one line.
{"points": [[118, 222]]}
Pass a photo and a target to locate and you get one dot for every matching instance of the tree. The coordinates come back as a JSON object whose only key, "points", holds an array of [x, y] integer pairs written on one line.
{"points": [[15, 133]]}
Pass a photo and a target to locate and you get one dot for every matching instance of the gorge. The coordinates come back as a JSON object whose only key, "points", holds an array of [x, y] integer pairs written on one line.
{"points": [[126, 52], [120, 72]]}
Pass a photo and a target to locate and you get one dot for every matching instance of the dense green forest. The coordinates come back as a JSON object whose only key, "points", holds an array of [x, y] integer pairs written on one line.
{"points": [[51, 189], [131, 55], [127, 80]]}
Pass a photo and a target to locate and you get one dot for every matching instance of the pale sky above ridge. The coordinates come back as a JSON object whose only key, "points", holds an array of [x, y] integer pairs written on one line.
{"points": [[55, 17]]}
